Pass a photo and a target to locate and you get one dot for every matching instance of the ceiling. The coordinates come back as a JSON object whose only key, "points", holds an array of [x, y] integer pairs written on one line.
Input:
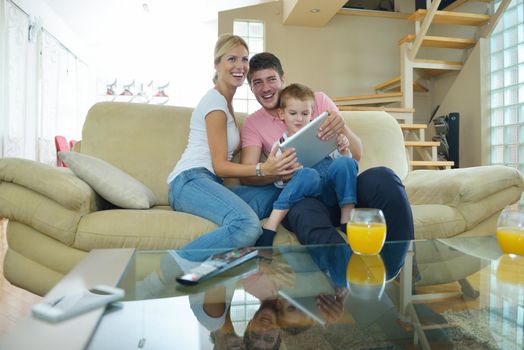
{"points": [[94, 21], [311, 13]]}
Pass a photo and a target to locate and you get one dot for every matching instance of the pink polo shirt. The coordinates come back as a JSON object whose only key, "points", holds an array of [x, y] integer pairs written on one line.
{"points": [[261, 129]]}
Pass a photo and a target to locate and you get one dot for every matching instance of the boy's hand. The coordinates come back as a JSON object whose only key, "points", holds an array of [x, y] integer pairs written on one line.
{"points": [[343, 144], [332, 126]]}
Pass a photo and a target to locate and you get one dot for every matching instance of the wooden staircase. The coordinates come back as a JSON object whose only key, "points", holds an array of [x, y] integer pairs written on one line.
{"points": [[399, 91]]}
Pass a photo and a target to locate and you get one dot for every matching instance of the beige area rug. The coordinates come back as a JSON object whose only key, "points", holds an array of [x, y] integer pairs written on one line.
{"points": [[469, 330], [480, 329]]}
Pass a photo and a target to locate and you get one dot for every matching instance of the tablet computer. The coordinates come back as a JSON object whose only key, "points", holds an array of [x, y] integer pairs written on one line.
{"points": [[310, 282], [309, 148]]}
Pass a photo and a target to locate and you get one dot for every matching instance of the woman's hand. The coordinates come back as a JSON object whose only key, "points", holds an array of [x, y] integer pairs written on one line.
{"points": [[272, 276], [343, 144], [283, 165], [332, 126]]}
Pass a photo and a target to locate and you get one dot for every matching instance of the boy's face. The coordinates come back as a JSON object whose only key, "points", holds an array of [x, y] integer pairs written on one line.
{"points": [[266, 85], [296, 114]]}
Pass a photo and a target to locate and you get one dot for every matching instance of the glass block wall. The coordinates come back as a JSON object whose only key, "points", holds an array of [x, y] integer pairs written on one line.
{"points": [[507, 87]]}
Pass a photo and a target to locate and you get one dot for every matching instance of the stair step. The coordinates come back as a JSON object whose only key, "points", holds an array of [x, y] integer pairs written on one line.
{"points": [[436, 67], [413, 126], [458, 3], [379, 108], [394, 84], [421, 143], [448, 17], [431, 163], [440, 41], [402, 115], [438, 64], [383, 98]]}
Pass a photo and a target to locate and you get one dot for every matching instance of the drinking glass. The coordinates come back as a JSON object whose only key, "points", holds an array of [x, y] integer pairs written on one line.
{"points": [[510, 230], [366, 276], [366, 231]]}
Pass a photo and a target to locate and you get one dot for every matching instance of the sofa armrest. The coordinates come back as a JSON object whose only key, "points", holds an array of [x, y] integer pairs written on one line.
{"points": [[48, 199], [454, 187], [59, 184]]}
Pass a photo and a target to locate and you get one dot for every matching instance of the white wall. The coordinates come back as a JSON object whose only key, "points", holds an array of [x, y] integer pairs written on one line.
{"points": [[348, 56], [463, 93], [351, 54]]}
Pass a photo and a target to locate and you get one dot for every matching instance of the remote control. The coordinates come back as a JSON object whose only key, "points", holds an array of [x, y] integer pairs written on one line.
{"points": [[217, 264], [77, 303]]}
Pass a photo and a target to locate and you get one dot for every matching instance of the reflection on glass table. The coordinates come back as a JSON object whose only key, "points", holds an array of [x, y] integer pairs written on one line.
{"points": [[440, 294]]}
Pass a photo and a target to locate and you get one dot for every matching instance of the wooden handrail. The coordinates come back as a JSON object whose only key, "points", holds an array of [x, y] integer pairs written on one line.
{"points": [[495, 19], [424, 29]]}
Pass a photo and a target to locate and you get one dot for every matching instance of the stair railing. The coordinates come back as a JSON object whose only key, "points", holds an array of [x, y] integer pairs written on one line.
{"points": [[428, 18], [488, 29]]}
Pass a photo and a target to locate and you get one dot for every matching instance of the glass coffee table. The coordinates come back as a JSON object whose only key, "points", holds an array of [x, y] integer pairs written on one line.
{"points": [[453, 293]]}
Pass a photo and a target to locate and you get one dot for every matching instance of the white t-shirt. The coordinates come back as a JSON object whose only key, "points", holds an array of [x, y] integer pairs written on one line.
{"points": [[197, 152]]}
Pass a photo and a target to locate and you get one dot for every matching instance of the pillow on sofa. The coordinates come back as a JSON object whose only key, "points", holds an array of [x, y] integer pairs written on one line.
{"points": [[114, 185]]}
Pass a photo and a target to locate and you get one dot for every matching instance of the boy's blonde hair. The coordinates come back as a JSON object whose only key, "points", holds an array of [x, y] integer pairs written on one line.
{"points": [[297, 91], [224, 44]]}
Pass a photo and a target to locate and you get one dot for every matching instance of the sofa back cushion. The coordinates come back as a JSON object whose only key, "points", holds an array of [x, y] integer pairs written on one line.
{"points": [[382, 139], [146, 141], [143, 140]]}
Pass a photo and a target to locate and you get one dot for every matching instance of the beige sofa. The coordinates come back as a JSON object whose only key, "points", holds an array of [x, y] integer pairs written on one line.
{"points": [[55, 218]]}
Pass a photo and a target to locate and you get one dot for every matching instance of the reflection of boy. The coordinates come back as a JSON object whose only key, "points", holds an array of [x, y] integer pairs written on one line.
{"points": [[333, 179]]}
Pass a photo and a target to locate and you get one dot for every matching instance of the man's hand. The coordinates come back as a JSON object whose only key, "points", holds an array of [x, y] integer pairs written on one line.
{"points": [[332, 306], [332, 126]]}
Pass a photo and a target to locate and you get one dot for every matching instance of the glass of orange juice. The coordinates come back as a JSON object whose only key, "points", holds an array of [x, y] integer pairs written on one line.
{"points": [[366, 231], [510, 230], [366, 276]]}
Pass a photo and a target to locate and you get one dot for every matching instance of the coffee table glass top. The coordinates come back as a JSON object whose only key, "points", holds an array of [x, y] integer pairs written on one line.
{"points": [[453, 293]]}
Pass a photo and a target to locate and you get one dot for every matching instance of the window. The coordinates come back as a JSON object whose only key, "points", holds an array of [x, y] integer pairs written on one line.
{"points": [[253, 33], [507, 87]]}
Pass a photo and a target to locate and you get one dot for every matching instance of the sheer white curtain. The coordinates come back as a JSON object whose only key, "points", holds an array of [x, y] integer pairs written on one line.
{"points": [[63, 95], [13, 116], [43, 89]]}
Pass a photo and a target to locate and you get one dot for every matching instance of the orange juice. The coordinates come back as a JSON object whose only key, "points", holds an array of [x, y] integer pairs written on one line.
{"points": [[368, 270], [366, 276], [511, 270], [511, 240], [366, 239]]}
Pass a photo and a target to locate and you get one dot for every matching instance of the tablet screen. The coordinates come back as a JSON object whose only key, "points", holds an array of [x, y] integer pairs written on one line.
{"points": [[309, 148]]}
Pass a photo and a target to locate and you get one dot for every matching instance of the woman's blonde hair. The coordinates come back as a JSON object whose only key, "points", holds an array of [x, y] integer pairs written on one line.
{"points": [[224, 44]]}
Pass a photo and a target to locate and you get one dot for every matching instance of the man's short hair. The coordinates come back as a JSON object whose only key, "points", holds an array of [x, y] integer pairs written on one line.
{"points": [[264, 60]]}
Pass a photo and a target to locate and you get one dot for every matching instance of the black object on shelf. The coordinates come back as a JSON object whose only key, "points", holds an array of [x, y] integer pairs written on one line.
{"points": [[447, 129]]}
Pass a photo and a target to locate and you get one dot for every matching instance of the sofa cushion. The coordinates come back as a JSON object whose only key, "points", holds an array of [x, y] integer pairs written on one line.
{"points": [[143, 229], [108, 181]]}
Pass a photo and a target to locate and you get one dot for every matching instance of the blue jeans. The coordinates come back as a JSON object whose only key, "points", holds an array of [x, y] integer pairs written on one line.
{"points": [[338, 181], [334, 181], [199, 192], [259, 198], [304, 183], [314, 223]]}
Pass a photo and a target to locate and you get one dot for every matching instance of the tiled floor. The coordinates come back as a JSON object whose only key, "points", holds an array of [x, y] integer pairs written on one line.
{"points": [[15, 303]]}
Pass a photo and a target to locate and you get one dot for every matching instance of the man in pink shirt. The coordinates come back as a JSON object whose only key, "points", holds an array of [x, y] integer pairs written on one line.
{"points": [[310, 219]]}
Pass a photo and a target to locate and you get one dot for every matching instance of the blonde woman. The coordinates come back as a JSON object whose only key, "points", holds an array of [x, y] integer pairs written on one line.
{"points": [[195, 184]]}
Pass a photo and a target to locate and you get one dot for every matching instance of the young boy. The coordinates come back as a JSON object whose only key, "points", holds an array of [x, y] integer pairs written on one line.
{"points": [[333, 179]]}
